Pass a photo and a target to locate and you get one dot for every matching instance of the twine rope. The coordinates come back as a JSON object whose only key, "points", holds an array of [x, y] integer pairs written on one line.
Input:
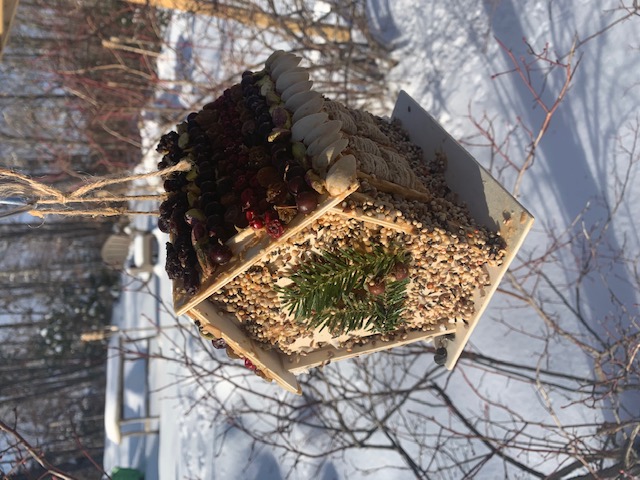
{"points": [[13, 183]]}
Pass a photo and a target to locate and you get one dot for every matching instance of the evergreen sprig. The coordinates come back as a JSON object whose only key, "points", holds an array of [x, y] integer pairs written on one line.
{"points": [[329, 291]]}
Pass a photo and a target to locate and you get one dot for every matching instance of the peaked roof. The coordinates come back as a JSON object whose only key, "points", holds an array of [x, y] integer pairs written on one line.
{"points": [[7, 13]]}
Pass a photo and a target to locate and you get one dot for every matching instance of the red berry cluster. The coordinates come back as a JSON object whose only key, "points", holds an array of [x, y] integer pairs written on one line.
{"points": [[243, 174]]}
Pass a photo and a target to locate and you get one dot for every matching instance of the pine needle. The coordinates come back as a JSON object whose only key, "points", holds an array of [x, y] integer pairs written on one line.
{"points": [[330, 291]]}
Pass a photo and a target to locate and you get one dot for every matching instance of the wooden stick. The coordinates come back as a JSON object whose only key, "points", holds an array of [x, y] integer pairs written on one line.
{"points": [[110, 199], [400, 226], [394, 188], [98, 212], [127, 48]]}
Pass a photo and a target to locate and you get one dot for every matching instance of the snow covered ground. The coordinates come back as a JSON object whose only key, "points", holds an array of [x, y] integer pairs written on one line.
{"points": [[448, 57]]}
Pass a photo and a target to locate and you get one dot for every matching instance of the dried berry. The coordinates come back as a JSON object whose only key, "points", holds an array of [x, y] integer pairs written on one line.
{"points": [[198, 232], [248, 198], [248, 128], [249, 364], [270, 216], [307, 201], [294, 170], [266, 176], [400, 271], [233, 214], [376, 287], [241, 183], [229, 199], [208, 187], [220, 254], [219, 343], [277, 193], [256, 224], [281, 117], [250, 215], [297, 185], [212, 207], [441, 356], [275, 229], [163, 224]]}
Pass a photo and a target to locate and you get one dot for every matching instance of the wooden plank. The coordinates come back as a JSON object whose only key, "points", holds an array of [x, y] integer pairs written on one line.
{"points": [[255, 17], [268, 362], [489, 203], [298, 364], [250, 250]]}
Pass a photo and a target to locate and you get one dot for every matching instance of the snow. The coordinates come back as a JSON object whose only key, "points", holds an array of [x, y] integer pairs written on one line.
{"points": [[448, 57]]}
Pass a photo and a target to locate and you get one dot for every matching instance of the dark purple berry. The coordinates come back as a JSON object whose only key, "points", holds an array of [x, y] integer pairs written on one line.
{"points": [[212, 208], [441, 356], [248, 198], [220, 254], [163, 224], [233, 214], [208, 187], [219, 343], [307, 201], [198, 231], [265, 129], [229, 199], [297, 185], [215, 220], [207, 198], [224, 185], [294, 171]]}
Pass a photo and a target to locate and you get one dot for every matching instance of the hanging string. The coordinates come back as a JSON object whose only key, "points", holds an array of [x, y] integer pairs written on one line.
{"points": [[37, 194]]}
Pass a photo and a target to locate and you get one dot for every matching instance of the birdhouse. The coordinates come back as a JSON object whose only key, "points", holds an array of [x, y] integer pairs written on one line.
{"points": [[307, 232]]}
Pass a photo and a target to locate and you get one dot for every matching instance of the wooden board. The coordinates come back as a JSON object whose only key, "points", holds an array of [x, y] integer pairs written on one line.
{"points": [[222, 325], [298, 364], [489, 203]]}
